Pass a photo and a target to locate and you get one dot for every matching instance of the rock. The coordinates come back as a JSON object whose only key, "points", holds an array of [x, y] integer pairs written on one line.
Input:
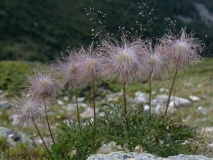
{"points": [[178, 101], [66, 98], [88, 113], [172, 104], [194, 98], [146, 107], [108, 148], [140, 98], [143, 156], [80, 99], [113, 97], [202, 110], [72, 106], [210, 146], [4, 104], [14, 137], [163, 90], [60, 102], [102, 114]]}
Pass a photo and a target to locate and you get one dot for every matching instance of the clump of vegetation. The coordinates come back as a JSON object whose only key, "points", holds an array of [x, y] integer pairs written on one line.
{"points": [[12, 75], [130, 59], [20, 151]]}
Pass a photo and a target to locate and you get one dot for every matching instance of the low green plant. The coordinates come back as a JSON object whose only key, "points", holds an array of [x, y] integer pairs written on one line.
{"points": [[157, 134], [12, 74], [76, 143], [21, 151]]}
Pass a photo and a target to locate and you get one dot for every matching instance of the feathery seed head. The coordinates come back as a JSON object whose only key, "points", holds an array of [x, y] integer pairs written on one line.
{"points": [[156, 61], [123, 61], [25, 110], [182, 49], [43, 83], [69, 68], [89, 65]]}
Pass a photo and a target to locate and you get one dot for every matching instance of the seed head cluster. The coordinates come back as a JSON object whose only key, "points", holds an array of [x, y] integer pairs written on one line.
{"points": [[125, 62], [182, 49], [43, 84], [25, 110]]}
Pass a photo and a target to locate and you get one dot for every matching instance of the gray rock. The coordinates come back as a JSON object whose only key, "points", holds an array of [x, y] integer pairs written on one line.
{"points": [[178, 101], [4, 104], [72, 106], [66, 98], [60, 102], [140, 98], [202, 110], [194, 98], [14, 137], [88, 113], [113, 97], [143, 156]]}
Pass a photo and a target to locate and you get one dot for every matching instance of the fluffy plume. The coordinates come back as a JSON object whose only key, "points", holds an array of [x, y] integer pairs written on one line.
{"points": [[25, 110], [90, 64], [156, 62], [182, 49], [43, 83], [123, 61], [69, 67]]}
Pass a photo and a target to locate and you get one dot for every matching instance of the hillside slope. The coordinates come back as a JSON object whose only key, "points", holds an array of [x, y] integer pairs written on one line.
{"points": [[40, 29]]}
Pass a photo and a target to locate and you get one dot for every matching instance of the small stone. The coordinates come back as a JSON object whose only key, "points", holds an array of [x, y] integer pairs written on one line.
{"points": [[102, 114], [146, 107], [81, 99], [88, 113], [66, 98], [194, 98], [60, 102], [4, 104], [210, 145]]}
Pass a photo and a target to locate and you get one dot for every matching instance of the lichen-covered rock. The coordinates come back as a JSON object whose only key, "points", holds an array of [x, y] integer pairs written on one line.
{"points": [[143, 156], [14, 137]]}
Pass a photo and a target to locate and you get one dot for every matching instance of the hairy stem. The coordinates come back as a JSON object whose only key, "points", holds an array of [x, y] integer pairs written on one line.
{"points": [[76, 101], [201, 137], [170, 92], [150, 94], [47, 119], [42, 138], [93, 100], [125, 107]]}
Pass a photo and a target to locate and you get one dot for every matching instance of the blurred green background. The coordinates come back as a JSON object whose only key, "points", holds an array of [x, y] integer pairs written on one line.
{"points": [[38, 30]]}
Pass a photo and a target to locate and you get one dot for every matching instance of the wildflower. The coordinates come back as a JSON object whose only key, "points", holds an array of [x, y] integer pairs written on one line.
{"points": [[43, 83], [90, 64], [156, 62], [69, 67], [25, 110], [123, 61], [181, 50]]}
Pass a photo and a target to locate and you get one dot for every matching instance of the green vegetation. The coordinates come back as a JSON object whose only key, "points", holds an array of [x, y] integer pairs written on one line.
{"points": [[12, 75], [40, 29], [158, 135]]}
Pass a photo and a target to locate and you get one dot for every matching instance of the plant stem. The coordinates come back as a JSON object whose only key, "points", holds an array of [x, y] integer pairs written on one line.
{"points": [[150, 94], [203, 133], [201, 137], [125, 108], [171, 89], [45, 106], [42, 138], [93, 100], [76, 101]]}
